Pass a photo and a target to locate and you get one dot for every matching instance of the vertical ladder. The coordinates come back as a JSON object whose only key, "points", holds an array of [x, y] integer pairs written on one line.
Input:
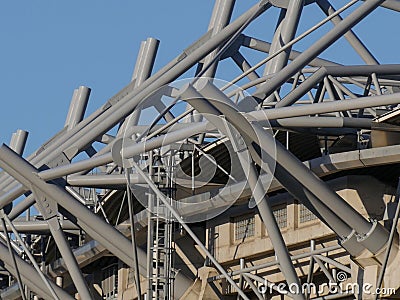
{"points": [[161, 250]]}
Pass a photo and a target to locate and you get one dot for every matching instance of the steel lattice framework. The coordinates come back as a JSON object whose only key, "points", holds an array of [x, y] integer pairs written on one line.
{"points": [[280, 127]]}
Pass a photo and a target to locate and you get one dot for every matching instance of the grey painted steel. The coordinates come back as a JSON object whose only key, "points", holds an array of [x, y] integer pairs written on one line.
{"points": [[392, 235], [244, 65], [318, 76], [271, 114], [303, 59], [285, 33], [327, 107], [38, 226], [126, 100], [78, 106], [105, 181], [29, 276], [329, 216], [145, 62], [176, 215], [293, 166], [391, 4], [353, 40], [69, 258], [30, 256], [220, 18], [334, 263], [18, 141], [105, 234], [263, 46], [222, 40], [12, 254], [197, 100], [133, 237], [21, 207], [275, 262]]}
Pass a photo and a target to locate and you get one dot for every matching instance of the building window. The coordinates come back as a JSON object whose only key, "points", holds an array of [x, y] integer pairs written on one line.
{"points": [[281, 216], [305, 215], [109, 283], [244, 227]]}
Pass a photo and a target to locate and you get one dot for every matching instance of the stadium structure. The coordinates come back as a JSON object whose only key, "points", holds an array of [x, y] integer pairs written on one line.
{"points": [[277, 178]]}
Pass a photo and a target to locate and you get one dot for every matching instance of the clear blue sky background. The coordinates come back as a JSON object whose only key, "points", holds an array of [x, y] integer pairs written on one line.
{"points": [[48, 48]]}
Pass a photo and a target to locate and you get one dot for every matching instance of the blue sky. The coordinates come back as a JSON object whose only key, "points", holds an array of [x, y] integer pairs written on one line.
{"points": [[51, 47]]}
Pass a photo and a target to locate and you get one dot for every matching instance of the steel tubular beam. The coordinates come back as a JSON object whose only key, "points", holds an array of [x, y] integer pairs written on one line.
{"points": [[40, 226], [353, 40], [285, 33], [69, 258], [197, 100], [93, 225], [313, 51], [220, 18], [78, 106], [18, 141], [203, 106], [327, 107], [176, 215], [30, 277], [263, 46], [122, 104], [371, 231], [145, 61]]}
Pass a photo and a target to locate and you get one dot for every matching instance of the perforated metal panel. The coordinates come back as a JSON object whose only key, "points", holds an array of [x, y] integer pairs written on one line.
{"points": [[305, 215], [244, 226], [281, 216]]}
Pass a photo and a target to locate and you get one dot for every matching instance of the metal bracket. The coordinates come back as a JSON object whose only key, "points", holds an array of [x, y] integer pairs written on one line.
{"points": [[47, 207]]}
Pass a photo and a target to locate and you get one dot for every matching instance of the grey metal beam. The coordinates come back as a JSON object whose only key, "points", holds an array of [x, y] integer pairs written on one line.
{"points": [[18, 141], [392, 237], [102, 181], [38, 226], [275, 262], [283, 35], [30, 256], [318, 76], [77, 107], [145, 60], [327, 107], [13, 255], [391, 4], [314, 50], [221, 15], [244, 65], [263, 46], [178, 218], [284, 112], [350, 36], [122, 104], [69, 258], [93, 225], [30, 277], [293, 166], [196, 99]]}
